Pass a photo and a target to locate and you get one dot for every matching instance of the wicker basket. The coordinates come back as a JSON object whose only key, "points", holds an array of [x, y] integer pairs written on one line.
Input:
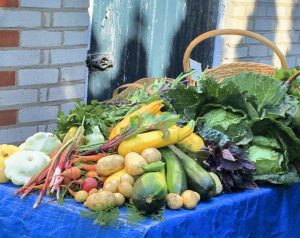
{"points": [[228, 70]]}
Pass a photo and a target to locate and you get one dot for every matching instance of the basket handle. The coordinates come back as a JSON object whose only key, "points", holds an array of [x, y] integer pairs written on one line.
{"points": [[130, 85], [293, 78], [209, 34]]}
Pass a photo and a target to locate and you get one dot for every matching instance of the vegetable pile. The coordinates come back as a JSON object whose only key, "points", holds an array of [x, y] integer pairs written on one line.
{"points": [[155, 151]]}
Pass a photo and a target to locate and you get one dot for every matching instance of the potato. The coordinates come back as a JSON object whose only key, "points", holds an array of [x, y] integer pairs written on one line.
{"points": [[134, 163], [151, 155], [127, 178], [120, 199], [174, 201], [101, 200], [112, 186], [81, 196], [125, 189], [94, 190], [190, 199], [110, 164]]}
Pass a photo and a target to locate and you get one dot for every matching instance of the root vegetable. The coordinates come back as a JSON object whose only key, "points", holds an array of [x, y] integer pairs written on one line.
{"points": [[92, 191], [151, 155], [81, 196], [91, 174], [88, 184], [112, 186], [102, 200], [174, 201], [120, 199], [72, 173], [125, 189], [127, 178], [134, 163], [110, 164], [88, 167], [190, 199]]}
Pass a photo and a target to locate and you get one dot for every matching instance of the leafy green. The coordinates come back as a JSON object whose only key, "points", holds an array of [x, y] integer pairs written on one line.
{"points": [[231, 124], [107, 217], [102, 114]]}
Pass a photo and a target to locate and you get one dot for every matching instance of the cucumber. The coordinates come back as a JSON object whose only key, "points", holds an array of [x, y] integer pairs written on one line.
{"points": [[219, 187], [198, 178], [154, 167], [149, 192], [176, 179]]}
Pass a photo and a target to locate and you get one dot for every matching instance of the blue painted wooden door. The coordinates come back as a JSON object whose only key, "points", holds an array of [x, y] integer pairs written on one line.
{"points": [[133, 39]]}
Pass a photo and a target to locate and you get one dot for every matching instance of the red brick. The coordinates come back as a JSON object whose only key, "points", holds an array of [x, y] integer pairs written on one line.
{"points": [[7, 78], [9, 3], [8, 117], [9, 38]]}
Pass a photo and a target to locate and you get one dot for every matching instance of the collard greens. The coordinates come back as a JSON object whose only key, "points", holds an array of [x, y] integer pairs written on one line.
{"points": [[243, 107]]}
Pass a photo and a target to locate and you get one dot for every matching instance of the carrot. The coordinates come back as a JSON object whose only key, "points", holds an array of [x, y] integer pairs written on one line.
{"points": [[72, 173], [91, 173], [88, 167], [88, 158]]}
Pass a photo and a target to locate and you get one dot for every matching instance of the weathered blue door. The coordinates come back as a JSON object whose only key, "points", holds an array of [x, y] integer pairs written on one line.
{"points": [[133, 39]]}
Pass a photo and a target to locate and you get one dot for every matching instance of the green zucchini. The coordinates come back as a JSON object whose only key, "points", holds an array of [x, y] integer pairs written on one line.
{"points": [[198, 178], [154, 167], [176, 179], [149, 192], [218, 185]]}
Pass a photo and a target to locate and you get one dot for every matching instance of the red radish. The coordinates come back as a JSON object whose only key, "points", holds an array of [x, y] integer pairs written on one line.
{"points": [[72, 173], [88, 184]]}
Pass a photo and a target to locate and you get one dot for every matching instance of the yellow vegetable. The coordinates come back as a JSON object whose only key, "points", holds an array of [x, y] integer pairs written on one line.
{"points": [[193, 142], [71, 133], [5, 152], [155, 139], [153, 108], [115, 176]]}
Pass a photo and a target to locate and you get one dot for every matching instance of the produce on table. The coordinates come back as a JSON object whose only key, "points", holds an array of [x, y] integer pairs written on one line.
{"points": [[154, 167], [176, 179], [5, 152], [149, 192], [110, 164], [190, 199], [174, 201], [228, 161], [134, 163], [42, 141], [151, 155], [22, 165], [193, 142], [153, 108], [115, 176], [218, 185], [120, 199], [111, 186], [101, 200], [198, 178], [81, 196], [163, 150], [125, 189], [155, 139], [127, 178], [95, 137]]}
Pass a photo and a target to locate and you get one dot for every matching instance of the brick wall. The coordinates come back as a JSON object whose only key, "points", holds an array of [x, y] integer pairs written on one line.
{"points": [[43, 47], [278, 20]]}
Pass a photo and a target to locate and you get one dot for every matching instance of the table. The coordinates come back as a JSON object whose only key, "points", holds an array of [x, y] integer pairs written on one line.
{"points": [[267, 212]]}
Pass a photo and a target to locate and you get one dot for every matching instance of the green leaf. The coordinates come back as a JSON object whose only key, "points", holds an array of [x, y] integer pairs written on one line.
{"points": [[107, 217], [284, 178], [266, 90]]}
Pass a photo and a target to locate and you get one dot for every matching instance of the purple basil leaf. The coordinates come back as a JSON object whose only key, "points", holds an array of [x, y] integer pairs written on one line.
{"points": [[227, 155]]}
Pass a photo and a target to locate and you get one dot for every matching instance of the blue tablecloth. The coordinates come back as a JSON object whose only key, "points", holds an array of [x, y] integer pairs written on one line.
{"points": [[266, 212]]}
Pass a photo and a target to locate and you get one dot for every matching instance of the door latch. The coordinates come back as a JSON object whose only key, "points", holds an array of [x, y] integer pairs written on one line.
{"points": [[98, 62]]}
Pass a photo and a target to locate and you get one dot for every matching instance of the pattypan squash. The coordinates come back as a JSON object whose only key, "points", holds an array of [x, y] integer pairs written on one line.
{"points": [[22, 165], [41, 141], [5, 152]]}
